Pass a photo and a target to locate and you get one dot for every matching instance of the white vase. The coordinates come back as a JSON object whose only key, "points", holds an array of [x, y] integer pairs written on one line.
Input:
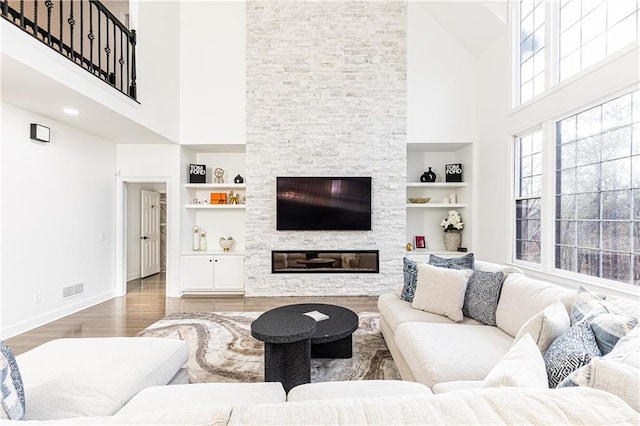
{"points": [[452, 240]]}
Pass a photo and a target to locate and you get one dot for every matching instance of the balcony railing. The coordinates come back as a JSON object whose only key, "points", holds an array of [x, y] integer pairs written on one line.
{"points": [[85, 32]]}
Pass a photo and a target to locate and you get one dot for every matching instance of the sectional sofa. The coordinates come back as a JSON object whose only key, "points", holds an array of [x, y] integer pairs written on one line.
{"points": [[445, 365]]}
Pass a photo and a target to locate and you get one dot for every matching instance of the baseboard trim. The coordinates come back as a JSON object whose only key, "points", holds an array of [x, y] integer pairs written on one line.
{"points": [[133, 276], [56, 314]]}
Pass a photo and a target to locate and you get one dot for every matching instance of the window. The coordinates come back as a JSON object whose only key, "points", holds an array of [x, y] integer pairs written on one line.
{"points": [[527, 197], [592, 29], [532, 18], [597, 217]]}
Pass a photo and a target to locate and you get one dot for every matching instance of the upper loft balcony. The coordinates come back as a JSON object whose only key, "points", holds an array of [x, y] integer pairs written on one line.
{"points": [[86, 32]]}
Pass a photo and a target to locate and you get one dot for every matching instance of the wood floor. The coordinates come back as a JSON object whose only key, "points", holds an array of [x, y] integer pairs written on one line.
{"points": [[145, 303]]}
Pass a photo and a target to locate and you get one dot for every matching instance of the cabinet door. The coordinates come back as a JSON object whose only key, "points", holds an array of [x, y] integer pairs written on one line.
{"points": [[197, 273], [228, 272]]}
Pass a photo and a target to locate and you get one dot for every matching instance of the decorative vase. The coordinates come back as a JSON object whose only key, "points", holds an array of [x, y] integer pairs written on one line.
{"points": [[430, 176], [452, 240]]}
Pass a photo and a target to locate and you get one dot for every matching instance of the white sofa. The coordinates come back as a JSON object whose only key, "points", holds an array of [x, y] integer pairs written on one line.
{"points": [[444, 355]]}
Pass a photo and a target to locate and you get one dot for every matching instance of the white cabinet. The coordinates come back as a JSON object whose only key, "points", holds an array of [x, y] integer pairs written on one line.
{"points": [[207, 273], [424, 218]]}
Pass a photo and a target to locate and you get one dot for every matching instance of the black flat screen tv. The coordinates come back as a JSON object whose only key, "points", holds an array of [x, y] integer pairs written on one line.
{"points": [[323, 204]]}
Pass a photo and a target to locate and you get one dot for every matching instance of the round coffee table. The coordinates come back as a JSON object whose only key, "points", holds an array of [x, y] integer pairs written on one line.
{"points": [[332, 336], [287, 346]]}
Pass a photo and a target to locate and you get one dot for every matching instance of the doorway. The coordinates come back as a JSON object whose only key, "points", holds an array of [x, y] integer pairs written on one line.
{"points": [[138, 239]]}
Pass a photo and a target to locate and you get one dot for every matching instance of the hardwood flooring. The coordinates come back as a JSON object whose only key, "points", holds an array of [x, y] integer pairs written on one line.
{"points": [[146, 303]]}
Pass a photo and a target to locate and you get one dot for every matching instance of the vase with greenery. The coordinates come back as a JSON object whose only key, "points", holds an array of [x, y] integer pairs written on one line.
{"points": [[452, 226]]}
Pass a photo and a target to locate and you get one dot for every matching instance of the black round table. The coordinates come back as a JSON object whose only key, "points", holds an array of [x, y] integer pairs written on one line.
{"points": [[292, 339], [287, 347]]}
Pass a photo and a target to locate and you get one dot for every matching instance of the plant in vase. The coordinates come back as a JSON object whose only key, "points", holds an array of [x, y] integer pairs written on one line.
{"points": [[452, 226]]}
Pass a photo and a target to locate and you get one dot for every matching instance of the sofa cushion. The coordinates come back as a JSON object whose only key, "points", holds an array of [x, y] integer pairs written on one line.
{"points": [[438, 353], [12, 396], [95, 376], [521, 367], [168, 398], [609, 328], [521, 298], [457, 385], [573, 349], [546, 326], [479, 265], [441, 291], [459, 262], [410, 272], [356, 389], [395, 312], [481, 296]]}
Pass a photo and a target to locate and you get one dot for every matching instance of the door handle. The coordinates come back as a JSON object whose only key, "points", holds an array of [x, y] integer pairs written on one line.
{"points": [[144, 238]]}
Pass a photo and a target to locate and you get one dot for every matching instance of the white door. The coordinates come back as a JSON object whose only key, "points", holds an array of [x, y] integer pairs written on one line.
{"points": [[150, 233]]}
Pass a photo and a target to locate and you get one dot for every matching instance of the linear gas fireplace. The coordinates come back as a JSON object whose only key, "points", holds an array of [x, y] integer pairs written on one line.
{"points": [[324, 261]]}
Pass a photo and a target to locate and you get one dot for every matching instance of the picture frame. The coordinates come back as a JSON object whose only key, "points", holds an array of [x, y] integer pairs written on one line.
{"points": [[420, 242]]}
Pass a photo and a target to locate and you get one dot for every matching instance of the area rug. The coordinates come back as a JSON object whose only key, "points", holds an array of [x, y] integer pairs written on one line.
{"points": [[221, 349]]}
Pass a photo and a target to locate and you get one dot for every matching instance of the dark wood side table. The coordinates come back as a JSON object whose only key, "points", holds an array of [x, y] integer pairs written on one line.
{"points": [[287, 346]]}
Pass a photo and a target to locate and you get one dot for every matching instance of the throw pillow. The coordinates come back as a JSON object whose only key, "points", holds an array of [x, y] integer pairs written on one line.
{"points": [[522, 367], [627, 349], [461, 262], [11, 388], [441, 291], [611, 376], [481, 297], [546, 326], [573, 349], [410, 270], [587, 306], [609, 328]]}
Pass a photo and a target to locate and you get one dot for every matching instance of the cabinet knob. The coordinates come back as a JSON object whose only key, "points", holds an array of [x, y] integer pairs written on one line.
{"points": [[210, 260], [216, 260]]}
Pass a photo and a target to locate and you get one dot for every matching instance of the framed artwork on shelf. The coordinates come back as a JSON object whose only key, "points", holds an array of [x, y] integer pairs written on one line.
{"points": [[421, 242]]}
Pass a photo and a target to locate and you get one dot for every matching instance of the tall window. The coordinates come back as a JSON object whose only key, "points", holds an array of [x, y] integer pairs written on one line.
{"points": [[532, 17], [592, 29], [528, 193], [598, 191]]}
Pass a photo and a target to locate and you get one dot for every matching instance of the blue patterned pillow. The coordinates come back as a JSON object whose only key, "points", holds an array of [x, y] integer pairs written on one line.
{"points": [[11, 388], [570, 351], [462, 262], [609, 328], [587, 306], [410, 269], [481, 297]]}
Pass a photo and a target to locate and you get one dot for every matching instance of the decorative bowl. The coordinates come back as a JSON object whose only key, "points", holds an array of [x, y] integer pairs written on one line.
{"points": [[419, 200], [225, 243]]}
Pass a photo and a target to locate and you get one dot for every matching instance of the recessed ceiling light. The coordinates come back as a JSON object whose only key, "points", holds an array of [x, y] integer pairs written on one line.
{"points": [[71, 111]]}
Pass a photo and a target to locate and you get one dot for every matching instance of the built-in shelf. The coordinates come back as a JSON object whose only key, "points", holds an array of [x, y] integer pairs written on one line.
{"points": [[215, 186], [435, 205], [436, 184], [436, 252], [215, 206]]}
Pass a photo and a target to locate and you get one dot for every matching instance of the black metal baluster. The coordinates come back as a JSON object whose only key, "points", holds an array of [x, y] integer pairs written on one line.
{"points": [[60, 42], [129, 62], [49, 5], [35, 18], [107, 49], [72, 24], [99, 42], [133, 89], [82, 32], [121, 61], [112, 77], [91, 36], [5, 8], [22, 14]]}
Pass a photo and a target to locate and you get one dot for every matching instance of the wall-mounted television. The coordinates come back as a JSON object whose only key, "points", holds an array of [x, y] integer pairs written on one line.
{"points": [[323, 204]]}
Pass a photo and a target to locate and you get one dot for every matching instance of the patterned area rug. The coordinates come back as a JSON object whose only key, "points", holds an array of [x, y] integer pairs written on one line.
{"points": [[221, 349]]}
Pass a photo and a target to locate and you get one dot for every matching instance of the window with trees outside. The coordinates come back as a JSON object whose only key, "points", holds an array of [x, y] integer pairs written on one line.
{"points": [[597, 219], [527, 198]]}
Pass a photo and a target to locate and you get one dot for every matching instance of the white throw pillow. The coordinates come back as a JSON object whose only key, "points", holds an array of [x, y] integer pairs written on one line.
{"points": [[546, 326], [521, 367], [441, 290]]}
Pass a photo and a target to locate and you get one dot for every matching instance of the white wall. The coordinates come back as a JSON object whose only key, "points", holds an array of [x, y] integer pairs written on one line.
{"points": [[151, 163], [441, 82], [212, 68], [134, 225], [57, 202]]}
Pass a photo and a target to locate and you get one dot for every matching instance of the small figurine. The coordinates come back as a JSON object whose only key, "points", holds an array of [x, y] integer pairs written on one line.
{"points": [[409, 246], [238, 179], [234, 198], [219, 173]]}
